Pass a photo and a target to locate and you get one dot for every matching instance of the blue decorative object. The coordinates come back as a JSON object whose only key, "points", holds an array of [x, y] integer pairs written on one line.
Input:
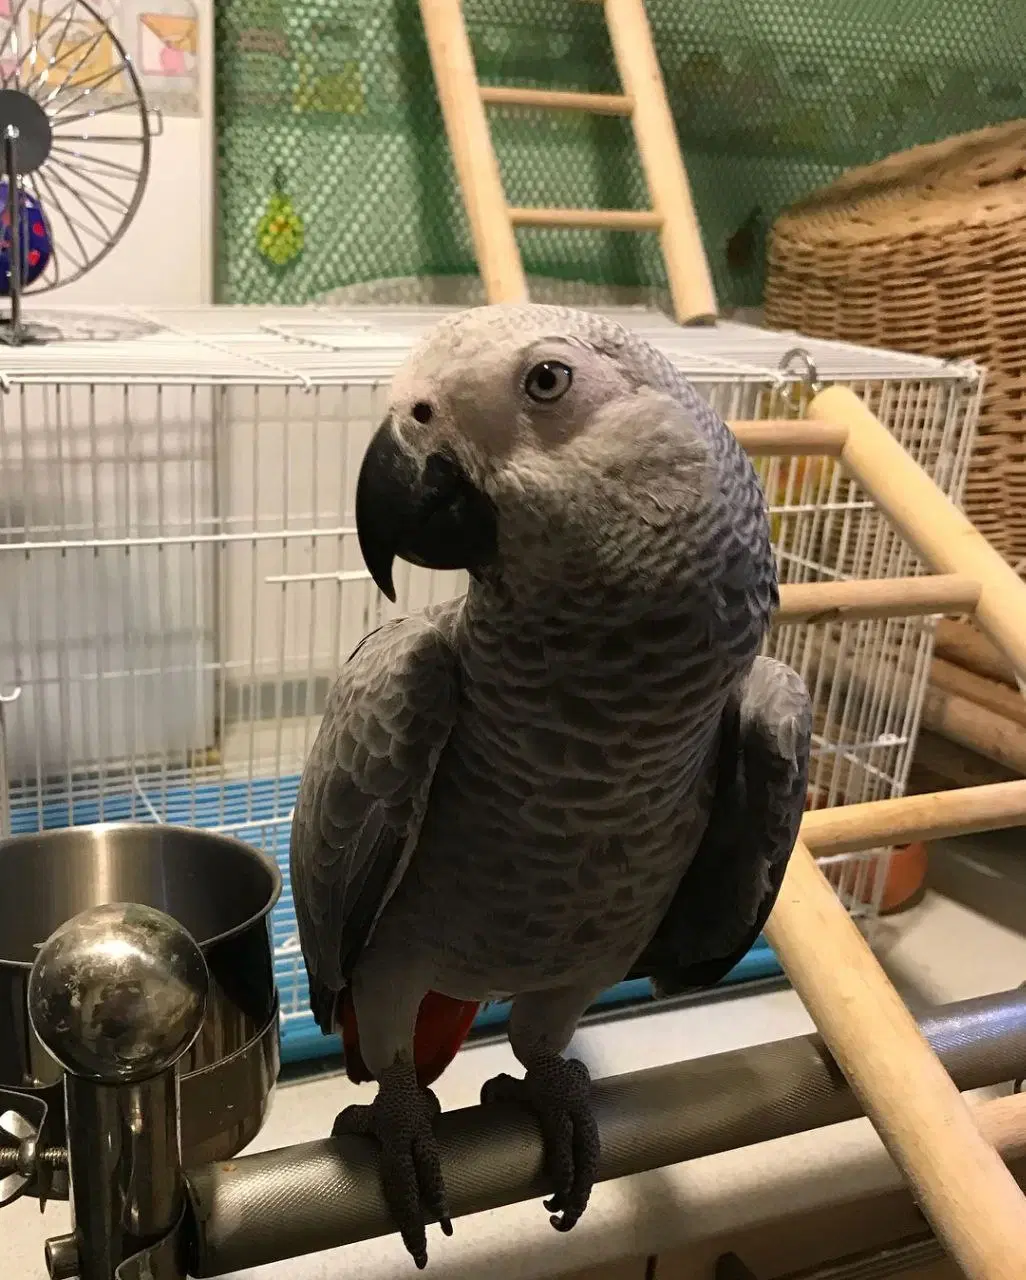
{"points": [[36, 245]]}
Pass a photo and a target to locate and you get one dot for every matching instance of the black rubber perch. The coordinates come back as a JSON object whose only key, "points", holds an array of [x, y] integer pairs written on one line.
{"points": [[264, 1208]]}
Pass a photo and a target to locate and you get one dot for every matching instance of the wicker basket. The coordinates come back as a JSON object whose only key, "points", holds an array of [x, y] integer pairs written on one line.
{"points": [[926, 252]]}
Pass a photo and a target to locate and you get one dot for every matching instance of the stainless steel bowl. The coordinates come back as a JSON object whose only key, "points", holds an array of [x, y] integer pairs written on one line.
{"points": [[222, 891]]}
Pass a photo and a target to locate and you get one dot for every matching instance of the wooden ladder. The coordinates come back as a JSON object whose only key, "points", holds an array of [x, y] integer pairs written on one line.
{"points": [[493, 221]]}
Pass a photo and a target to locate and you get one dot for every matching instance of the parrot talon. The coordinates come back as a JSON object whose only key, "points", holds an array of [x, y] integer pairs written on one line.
{"points": [[558, 1091], [401, 1120]]}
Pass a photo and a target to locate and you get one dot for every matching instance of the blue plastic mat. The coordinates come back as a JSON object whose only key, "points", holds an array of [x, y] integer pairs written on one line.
{"points": [[257, 813]]}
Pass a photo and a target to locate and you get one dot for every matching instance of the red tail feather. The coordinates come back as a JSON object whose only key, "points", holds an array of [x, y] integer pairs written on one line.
{"points": [[442, 1026]]}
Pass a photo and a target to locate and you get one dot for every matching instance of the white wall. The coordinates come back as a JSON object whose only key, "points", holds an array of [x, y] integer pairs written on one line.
{"points": [[167, 254]]}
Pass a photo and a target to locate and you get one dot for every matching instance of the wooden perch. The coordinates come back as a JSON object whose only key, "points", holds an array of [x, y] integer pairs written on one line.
{"points": [[976, 728], [961, 643], [940, 764], [850, 828], [950, 678], [969, 1197], [958, 1179], [944, 537], [1002, 1121], [788, 437], [848, 601]]}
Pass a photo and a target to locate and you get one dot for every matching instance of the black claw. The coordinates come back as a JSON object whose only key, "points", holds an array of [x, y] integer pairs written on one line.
{"points": [[558, 1092], [401, 1120]]}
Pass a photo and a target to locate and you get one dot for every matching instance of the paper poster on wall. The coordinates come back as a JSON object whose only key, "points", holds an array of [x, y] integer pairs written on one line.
{"points": [[66, 47], [8, 56], [162, 38]]}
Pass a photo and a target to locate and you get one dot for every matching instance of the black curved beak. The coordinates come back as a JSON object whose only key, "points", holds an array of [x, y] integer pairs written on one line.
{"points": [[435, 518]]}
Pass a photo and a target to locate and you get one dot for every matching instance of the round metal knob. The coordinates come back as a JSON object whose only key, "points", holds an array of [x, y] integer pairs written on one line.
{"points": [[118, 993]]}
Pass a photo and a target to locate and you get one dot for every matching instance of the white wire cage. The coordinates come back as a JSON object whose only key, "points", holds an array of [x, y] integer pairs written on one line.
{"points": [[182, 581]]}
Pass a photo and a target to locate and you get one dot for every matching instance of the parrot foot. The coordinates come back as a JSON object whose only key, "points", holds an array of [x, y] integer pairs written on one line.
{"points": [[558, 1091], [401, 1120]]}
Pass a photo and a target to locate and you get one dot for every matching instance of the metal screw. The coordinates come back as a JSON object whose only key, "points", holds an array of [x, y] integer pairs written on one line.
{"points": [[27, 1159]]}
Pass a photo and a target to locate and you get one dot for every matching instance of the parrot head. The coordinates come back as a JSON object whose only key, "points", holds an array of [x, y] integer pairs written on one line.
{"points": [[509, 424]]}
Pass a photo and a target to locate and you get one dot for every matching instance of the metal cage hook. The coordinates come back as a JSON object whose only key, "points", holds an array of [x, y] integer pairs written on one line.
{"points": [[808, 369]]}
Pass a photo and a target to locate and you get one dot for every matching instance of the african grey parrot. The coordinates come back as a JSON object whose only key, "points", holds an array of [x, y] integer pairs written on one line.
{"points": [[580, 769]]}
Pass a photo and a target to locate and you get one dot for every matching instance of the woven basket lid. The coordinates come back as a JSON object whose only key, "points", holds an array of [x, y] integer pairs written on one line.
{"points": [[975, 181]]}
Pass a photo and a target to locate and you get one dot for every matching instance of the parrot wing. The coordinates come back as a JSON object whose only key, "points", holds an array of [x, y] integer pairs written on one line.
{"points": [[729, 888], [364, 790]]}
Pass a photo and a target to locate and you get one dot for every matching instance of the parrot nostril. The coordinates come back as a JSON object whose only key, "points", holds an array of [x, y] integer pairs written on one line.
{"points": [[422, 412]]}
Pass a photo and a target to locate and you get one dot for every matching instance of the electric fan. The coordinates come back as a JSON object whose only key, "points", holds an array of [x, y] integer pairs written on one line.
{"points": [[74, 149]]}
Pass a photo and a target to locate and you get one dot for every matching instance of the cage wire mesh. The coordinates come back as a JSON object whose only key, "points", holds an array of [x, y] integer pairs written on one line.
{"points": [[182, 577], [771, 101]]}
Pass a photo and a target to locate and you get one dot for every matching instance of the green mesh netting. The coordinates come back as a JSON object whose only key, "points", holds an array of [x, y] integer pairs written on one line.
{"points": [[771, 99]]}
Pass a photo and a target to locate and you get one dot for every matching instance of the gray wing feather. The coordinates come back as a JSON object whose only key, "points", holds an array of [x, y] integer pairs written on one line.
{"points": [[365, 788], [728, 891]]}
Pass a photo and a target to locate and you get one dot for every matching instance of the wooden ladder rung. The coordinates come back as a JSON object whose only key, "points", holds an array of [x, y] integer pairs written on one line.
{"points": [[642, 99], [606, 219], [601, 104]]}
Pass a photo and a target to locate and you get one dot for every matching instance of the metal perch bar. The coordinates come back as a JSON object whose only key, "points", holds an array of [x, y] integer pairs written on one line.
{"points": [[263, 1208]]}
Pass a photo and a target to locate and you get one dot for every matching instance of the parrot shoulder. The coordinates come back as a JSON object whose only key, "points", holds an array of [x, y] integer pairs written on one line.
{"points": [[365, 787], [727, 892]]}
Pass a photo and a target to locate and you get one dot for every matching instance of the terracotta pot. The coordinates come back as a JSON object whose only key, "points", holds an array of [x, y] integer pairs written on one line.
{"points": [[905, 878]]}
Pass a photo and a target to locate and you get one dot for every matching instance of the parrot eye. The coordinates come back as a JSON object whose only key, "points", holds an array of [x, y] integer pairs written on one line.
{"points": [[548, 381]]}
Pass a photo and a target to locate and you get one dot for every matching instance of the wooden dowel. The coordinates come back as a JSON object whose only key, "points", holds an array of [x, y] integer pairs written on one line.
{"points": [[950, 765], [601, 104], [877, 598], [788, 437], [982, 731], [960, 642], [956, 1176], [944, 538], [972, 726], [474, 159], [687, 268], [850, 828], [951, 678], [1002, 1121], [605, 219]]}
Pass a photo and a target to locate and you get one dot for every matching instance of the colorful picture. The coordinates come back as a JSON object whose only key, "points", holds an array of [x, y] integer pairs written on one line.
{"points": [[162, 37], [168, 44], [8, 58], [74, 52]]}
